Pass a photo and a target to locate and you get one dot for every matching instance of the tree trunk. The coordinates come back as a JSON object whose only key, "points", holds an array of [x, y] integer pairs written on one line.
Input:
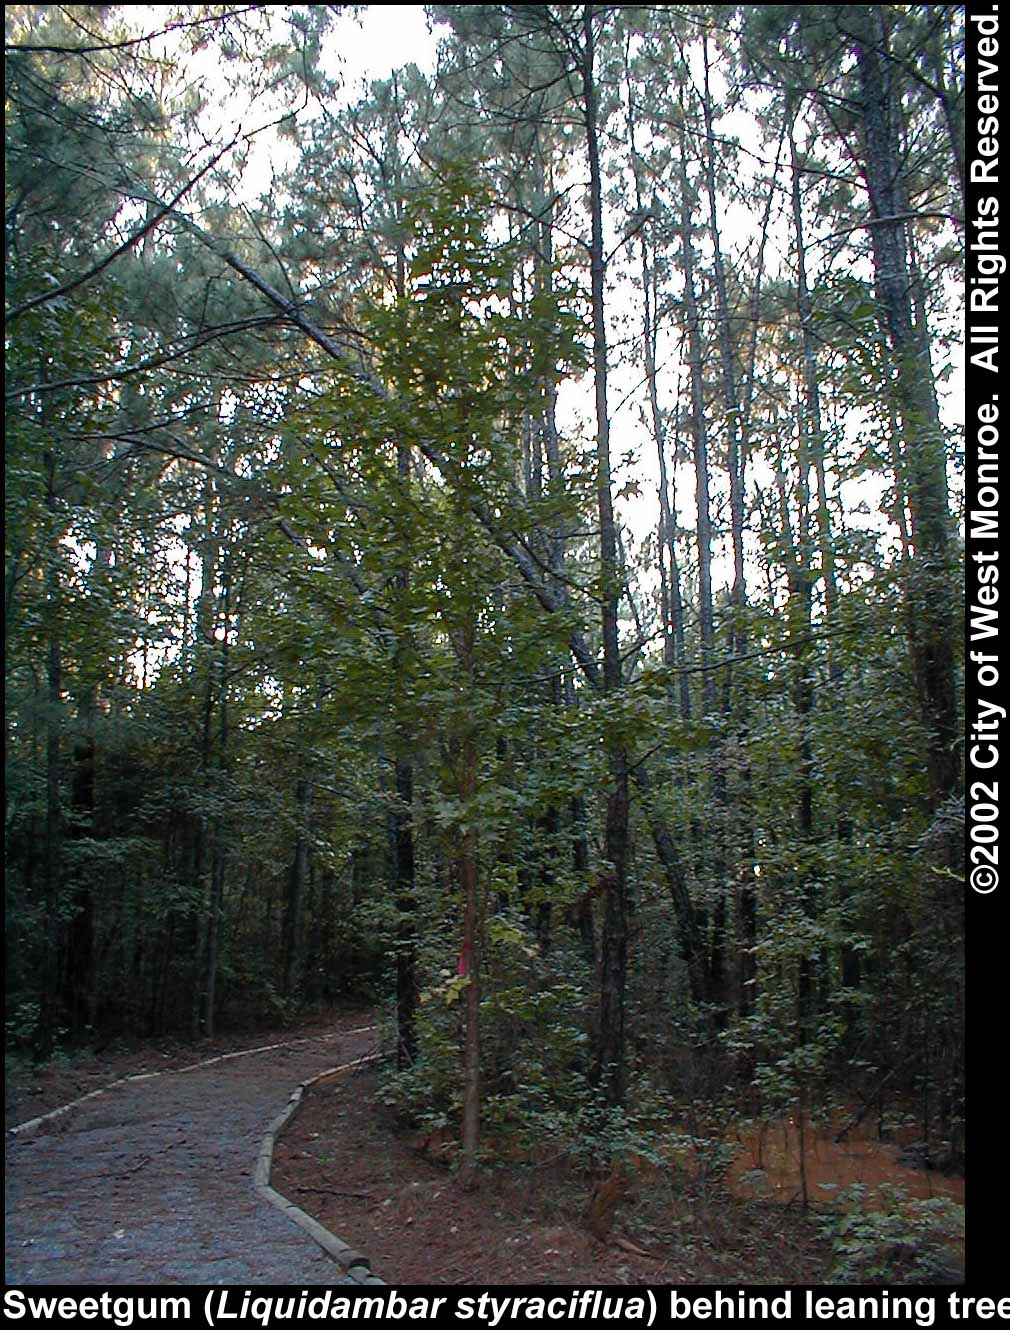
{"points": [[735, 460], [403, 775], [699, 434], [609, 1066], [77, 978], [796, 545], [297, 882], [53, 853], [672, 604], [931, 611], [218, 859], [810, 410], [714, 963], [466, 864]]}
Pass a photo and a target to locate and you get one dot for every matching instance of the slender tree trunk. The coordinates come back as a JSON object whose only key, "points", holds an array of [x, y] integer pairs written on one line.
{"points": [[674, 643], [297, 882], [78, 966], [690, 921], [923, 450], [469, 884], [406, 952], [218, 858], [728, 382], [714, 981], [562, 693], [79, 962], [609, 1065], [699, 434], [737, 397], [810, 411], [796, 546], [812, 430], [403, 775], [582, 914], [203, 677], [674, 653], [53, 854]]}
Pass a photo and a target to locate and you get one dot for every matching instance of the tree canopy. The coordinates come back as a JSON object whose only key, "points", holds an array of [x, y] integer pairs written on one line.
{"points": [[488, 540]]}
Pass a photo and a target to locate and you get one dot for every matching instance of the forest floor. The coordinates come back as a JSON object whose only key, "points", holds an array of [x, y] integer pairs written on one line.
{"points": [[76, 1213], [345, 1160], [391, 1193]]}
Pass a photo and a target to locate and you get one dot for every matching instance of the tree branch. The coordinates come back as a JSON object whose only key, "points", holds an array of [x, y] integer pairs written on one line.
{"points": [[19, 48], [157, 216]]}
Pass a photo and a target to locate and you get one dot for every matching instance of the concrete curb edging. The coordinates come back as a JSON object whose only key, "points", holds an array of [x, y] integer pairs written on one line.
{"points": [[32, 1123], [356, 1265]]}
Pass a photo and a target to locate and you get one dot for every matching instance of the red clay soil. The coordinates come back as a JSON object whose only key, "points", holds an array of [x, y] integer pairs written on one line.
{"points": [[345, 1160]]}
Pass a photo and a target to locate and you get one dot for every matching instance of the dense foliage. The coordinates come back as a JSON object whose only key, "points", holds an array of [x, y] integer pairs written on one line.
{"points": [[488, 542]]}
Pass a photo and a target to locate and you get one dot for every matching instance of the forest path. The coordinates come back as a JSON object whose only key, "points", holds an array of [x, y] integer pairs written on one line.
{"points": [[152, 1181]]}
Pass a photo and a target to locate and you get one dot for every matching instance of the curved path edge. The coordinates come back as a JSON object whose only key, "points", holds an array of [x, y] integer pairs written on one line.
{"points": [[33, 1124], [357, 1265]]}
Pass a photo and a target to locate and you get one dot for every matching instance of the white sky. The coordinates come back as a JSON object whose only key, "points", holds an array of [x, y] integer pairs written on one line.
{"points": [[380, 39]]}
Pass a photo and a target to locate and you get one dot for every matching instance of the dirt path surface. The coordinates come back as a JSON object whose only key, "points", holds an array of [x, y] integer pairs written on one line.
{"points": [[152, 1182]]}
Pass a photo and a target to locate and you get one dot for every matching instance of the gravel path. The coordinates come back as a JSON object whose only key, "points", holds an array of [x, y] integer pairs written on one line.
{"points": [[152, 1182]]}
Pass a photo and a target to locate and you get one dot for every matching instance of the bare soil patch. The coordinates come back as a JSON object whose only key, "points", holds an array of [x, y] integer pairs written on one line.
{"points": [[769, 1155], [345, 1160]]}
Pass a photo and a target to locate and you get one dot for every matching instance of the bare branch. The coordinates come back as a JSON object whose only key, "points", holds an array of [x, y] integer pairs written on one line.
{"points": [[157, 216], [19, 48]]}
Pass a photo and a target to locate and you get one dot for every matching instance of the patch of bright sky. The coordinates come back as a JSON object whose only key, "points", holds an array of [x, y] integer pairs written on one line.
{"points": [[379, 39]]}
